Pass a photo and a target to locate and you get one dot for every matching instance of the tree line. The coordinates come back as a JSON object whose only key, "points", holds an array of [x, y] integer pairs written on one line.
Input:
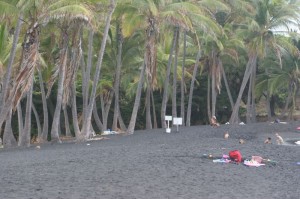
{"points": [[74, 67]]}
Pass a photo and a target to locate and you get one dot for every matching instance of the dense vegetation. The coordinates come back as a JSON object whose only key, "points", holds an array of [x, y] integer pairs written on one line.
{"points": [[73, 67]]}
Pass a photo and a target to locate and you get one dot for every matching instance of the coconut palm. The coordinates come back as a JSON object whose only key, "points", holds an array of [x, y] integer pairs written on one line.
{"points": [[88, 115], [258, 33]]}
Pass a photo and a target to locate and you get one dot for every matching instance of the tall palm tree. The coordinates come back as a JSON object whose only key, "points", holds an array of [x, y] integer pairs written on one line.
{"points": [[259, 36], [88, 115]]}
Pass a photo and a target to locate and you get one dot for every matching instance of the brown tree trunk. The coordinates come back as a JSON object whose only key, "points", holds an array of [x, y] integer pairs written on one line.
{"points": [[166, 82], [189, 109]]}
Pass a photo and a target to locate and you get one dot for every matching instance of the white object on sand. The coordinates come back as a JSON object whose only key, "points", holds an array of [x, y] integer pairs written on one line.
{"points": [[252, 163], [242, 123], [298, 142], [109, 133]]}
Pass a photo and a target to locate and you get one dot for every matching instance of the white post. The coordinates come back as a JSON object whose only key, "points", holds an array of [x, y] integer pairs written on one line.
{"points": [[168, 118]]}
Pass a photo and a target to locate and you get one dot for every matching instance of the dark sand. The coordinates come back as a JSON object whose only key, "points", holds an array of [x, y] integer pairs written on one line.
{"points": [[154, 164]]}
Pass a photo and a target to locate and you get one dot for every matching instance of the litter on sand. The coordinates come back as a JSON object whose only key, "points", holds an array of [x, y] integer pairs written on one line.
{"points": [[236, 157]]}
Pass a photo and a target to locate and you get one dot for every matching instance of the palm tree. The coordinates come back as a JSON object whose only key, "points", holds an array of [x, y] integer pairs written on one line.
{"points": [[88, 115], [259, 36]]}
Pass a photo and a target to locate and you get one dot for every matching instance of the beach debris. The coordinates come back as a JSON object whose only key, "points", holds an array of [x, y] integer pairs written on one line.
{"points": [[279, 139], [209, 156], [226, 135], [297, 142], [227, 123], [38, 147], [213, 122], [268, 141], [88, 144], [119, 131], [109, 132], [252, 163], [99, 138], [277, 120], [235, 156], [241, 141]]}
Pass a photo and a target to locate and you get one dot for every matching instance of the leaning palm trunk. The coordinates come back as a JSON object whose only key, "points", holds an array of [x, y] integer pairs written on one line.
{"points": [[166, 83], [251, 115], [235, 112], [226, 85], [23, 80], [189, 109], [97, 119], [10, 63], [38, 122], [8, 138], [88, 116], [136, 105]]}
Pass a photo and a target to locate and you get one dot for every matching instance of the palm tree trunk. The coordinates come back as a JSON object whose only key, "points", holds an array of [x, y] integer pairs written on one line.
{"points": [[213, 86], [235, 112], [67, 124], [38, 122], [10, 62], [208, 101], [174, 93], [166, 83], [117, 78], [227, 86], [86, 74], [182, 82], [20, 118], [148, 107], [253, 109], [9, 139], [154, 111], [74, 112], [287, 101], [24, 138], [268, 105], [136, 105], [97, 118], [45, 130], [88, 115], [248, 107], [60, 90], [189, 109]]}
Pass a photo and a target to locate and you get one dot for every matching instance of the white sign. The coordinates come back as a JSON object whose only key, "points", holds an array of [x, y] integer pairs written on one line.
{"points": [[168, 118], [177, 121]]}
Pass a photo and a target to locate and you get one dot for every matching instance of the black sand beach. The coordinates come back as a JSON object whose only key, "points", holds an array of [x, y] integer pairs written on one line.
{"points": [[154, 164]]}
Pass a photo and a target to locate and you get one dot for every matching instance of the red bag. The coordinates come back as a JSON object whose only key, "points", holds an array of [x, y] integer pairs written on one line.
{"points": [[235, 155]]}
